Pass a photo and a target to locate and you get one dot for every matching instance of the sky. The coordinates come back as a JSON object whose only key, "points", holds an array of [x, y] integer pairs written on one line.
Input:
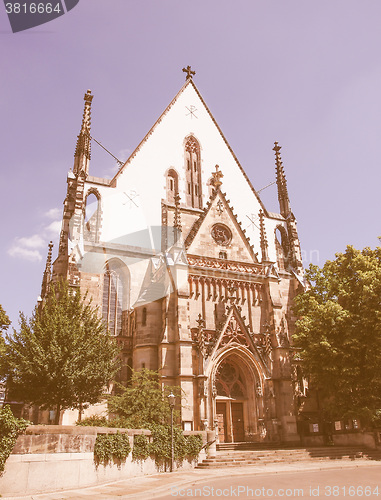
{"points": [[305, 74]]}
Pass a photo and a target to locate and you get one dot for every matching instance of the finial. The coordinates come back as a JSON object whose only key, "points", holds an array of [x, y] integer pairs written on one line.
{"points": [[83, 146], [284, 202], [48, 272], [177, 215], [189, 73], [264, 243], [217, 176], [50, 249]]}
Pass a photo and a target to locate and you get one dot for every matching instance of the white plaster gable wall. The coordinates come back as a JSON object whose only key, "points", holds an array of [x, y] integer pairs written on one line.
{"points": [[143, 178], [164, 149]]}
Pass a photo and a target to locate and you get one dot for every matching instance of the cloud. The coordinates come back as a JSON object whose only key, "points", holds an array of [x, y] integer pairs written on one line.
{"points": [[54, 213], [124, 154], [34, 241], [25, 253], [32, 248], [54, 228]]}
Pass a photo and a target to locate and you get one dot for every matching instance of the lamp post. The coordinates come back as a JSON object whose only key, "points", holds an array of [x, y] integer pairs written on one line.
{"points": [[171, 401]]}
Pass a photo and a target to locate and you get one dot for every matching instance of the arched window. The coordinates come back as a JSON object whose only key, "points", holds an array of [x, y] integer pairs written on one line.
{"points": [[281, 246], [193, 191], [144, 316], [115, 299], [92, 216], [172, 186], [229, 381]]}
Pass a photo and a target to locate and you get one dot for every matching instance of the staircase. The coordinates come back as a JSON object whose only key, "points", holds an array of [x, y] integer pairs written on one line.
{"points": [[243, 454]]}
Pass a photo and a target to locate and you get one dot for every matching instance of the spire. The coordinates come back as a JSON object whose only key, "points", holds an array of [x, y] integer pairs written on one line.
{"points": [[217, 176], [264, 243], [82, 153], [284, 202], [48, 272]]}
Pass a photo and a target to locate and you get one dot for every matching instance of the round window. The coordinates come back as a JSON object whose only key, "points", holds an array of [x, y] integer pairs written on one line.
{"points": [[221, 234]]}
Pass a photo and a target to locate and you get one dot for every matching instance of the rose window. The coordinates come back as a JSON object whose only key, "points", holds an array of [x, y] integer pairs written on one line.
{"points": [[221, 234]]}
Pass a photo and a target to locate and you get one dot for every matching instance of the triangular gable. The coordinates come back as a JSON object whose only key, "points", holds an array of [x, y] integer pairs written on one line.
{"points": [[234, 332], [159, 120], [217, 230]]}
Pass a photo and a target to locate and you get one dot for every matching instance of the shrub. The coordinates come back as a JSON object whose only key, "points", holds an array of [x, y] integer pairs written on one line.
{"points": [[183, 446], [141, 449], [193, 445], [115, 447], [94, 420], [10, 428]]}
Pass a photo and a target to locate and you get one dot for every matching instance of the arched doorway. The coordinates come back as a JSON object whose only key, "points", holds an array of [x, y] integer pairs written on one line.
{"points": [[236, 400]]}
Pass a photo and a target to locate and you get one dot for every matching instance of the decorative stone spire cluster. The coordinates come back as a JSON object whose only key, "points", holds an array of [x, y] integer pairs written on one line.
{"points": [[284, 201], [264, 242], [48, 272], [83, 147]]}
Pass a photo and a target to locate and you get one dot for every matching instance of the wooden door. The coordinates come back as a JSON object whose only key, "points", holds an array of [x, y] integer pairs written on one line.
{"points": [[237, 423], [221, 419]]}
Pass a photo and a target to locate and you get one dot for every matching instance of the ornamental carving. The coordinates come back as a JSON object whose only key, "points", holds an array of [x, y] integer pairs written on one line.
{"points": [[238, 267], [221, 234]]}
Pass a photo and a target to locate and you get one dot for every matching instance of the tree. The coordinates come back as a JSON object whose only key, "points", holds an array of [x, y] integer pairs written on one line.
{"points": [[339, 333], [62, 357], [143, 402], [4, 323]]}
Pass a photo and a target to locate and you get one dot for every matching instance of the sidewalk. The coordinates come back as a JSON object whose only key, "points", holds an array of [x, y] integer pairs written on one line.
{"points": [[150, 487]]}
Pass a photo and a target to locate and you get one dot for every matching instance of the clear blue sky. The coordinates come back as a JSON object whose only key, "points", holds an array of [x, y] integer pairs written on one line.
{"points": [[307, 74]]}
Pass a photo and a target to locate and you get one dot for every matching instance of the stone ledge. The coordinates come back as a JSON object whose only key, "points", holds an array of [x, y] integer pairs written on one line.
{"points": [[49, 457]]}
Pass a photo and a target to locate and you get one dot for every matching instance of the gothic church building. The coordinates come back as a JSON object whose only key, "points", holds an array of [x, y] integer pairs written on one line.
{"points": [[192, 274]]}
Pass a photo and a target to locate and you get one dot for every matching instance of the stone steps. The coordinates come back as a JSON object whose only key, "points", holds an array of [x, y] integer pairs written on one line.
{"points": [[240, 458]]}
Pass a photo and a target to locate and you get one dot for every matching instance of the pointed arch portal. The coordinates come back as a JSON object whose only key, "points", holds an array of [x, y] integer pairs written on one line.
{"points": [[237, 398]]}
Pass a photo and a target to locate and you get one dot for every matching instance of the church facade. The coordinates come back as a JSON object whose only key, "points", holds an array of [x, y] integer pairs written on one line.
{"points": [[191, 273]]}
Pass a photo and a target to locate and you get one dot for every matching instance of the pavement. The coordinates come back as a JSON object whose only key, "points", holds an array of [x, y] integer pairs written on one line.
{"points": [[158, 485]]}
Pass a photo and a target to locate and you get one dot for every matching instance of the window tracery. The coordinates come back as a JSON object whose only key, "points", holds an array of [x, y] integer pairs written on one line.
{"points": [[193, 173], [115, 299], [229, 381]]}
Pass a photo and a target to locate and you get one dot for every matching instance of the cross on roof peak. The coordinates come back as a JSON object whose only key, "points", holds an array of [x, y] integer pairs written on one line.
{"points": [[189, 72]]}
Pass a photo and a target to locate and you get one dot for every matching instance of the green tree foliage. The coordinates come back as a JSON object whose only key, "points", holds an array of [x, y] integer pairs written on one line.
{"points": [[339, 332], [10, 428], [143, 402], [4, 323], [62, 357]]}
